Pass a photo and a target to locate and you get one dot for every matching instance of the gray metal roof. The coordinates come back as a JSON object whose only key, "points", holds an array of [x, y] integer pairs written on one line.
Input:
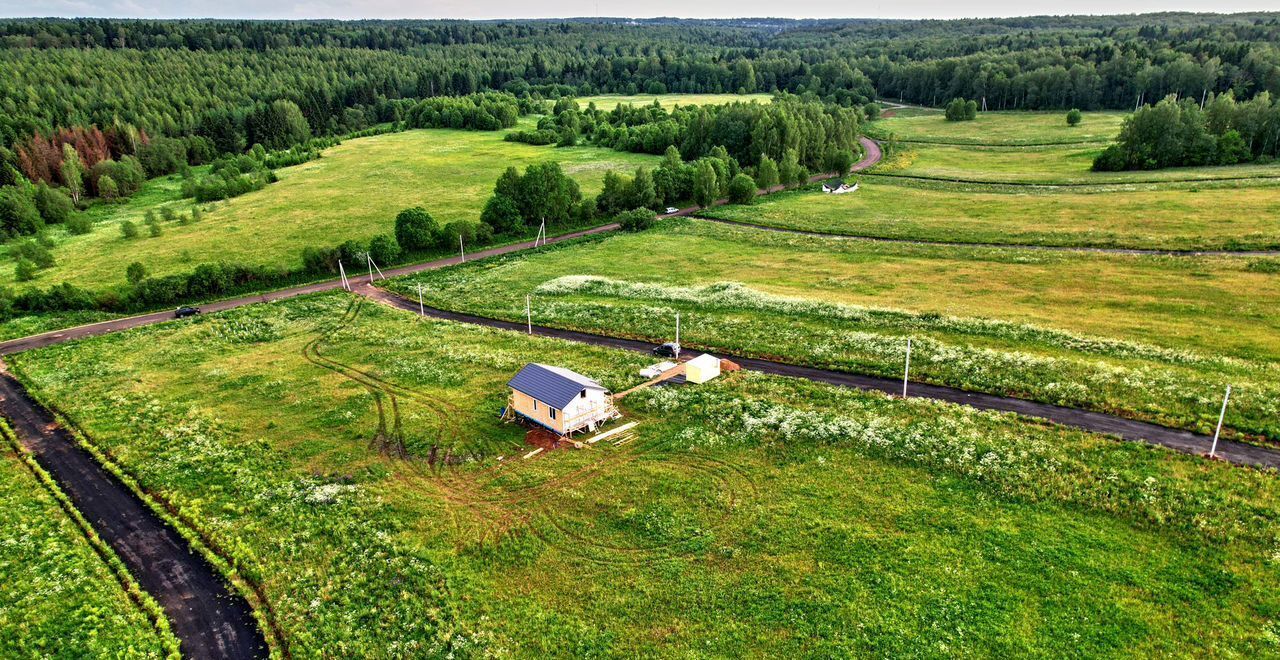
{"points": [[554, 386]]}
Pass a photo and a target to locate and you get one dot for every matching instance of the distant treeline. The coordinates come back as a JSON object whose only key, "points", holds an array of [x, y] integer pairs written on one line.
{"points": [[169, 77]]}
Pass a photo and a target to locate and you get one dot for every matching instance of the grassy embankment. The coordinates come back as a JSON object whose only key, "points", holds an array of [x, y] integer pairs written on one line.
{"points": [[828, 522], [61, 599], [1154, 338]]}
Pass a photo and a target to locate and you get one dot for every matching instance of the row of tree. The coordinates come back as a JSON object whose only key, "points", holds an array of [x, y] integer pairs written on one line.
{"points": [[1175, 133], [745, 131]]}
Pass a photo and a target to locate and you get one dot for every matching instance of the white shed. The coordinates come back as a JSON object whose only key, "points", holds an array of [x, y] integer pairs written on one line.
{"points": [[702, 368]]}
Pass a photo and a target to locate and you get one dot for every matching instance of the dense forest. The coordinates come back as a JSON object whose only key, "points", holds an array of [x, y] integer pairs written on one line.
{"points": [[169, 77]]}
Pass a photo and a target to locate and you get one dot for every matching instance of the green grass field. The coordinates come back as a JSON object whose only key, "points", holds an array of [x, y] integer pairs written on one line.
{"points": [[1001, 128], [354, 192], [668, 101], [1184, 219], [60, 598], [826, 522], [1154, 338], [1061, 165]]}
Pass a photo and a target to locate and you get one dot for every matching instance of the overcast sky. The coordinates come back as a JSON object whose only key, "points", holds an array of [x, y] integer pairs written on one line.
{"points": [[567, 8]]}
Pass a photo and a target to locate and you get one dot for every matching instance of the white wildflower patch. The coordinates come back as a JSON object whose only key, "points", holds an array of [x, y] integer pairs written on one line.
{"points": [[328, 493]]}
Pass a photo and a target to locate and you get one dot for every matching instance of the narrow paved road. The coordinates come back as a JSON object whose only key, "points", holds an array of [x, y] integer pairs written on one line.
{"points": [[209, 619], [1126, 429]]}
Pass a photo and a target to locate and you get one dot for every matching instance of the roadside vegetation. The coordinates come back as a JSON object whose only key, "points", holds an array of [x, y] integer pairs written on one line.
{"points": [[61, 597], [1071, 542], [1153, 338]]}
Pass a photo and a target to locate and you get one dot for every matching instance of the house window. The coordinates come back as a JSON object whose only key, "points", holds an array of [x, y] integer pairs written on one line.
{"points": [[553, 413], [535, 404]]}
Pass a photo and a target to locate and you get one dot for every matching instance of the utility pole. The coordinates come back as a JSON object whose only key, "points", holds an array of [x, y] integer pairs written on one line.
{"points": [[368, 264], [342, 272], [906, 372], [462, 249], [421, 310], [677, 335], [1221, 415], [528, 312]]}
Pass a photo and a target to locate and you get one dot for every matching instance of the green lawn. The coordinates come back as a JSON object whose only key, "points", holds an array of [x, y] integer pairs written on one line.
{"points": [[60, 598], [668, 101], [354, 192], [1045, 165], [754, 516], [1186, 219], [1001, 128], [1150, 337]]}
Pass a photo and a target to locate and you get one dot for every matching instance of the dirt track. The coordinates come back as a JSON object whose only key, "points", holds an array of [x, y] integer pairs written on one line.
{"points": [[1126, 429], [208, 618]]}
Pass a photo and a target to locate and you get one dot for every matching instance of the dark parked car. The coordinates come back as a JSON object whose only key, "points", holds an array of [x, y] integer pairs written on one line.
{"points": [[184, 312], [669, 349]]}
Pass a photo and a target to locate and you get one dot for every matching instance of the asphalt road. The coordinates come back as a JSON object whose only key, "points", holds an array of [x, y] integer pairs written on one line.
{"points": [[209, 620], [1096, 422]]}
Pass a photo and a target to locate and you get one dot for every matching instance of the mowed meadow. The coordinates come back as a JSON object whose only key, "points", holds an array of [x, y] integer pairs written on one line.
{"points": [[353, 192], [829, 522], [1211, 218], [997, 128], [1027, 149]]}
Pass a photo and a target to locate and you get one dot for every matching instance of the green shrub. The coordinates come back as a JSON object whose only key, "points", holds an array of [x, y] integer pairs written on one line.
{"points": [[25, 270], [79, 224], [128, 229], [501, 214], [458, 229], [742, 190], [638, 219], [384, 249], [135, 273], [416, 229]]}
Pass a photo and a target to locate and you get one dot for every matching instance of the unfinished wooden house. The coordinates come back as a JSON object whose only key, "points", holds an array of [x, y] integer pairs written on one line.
{"points": [[559, 400]]}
